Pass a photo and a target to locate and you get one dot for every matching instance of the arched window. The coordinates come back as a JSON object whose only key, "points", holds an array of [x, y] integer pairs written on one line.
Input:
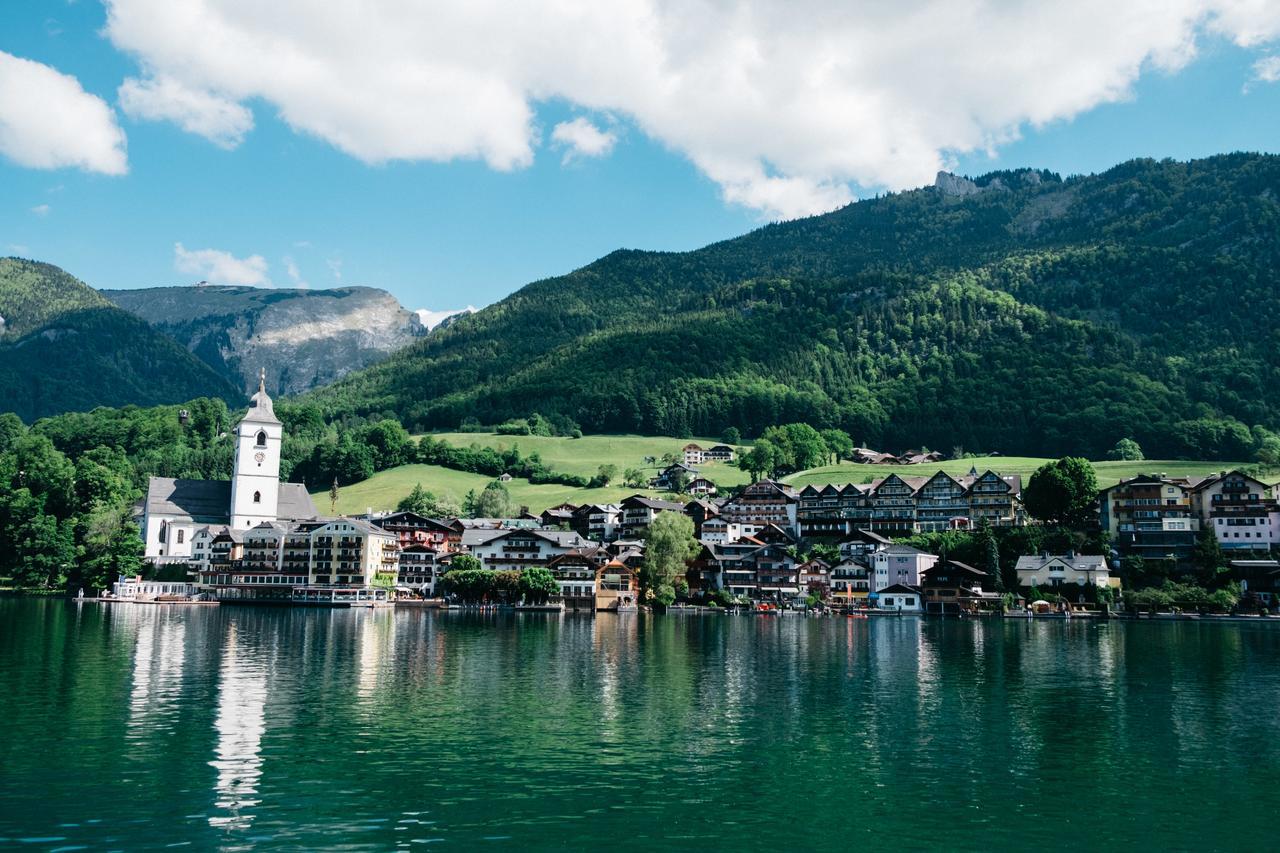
{"points": [[262, 438], [181, 536], [164, 529], [257, 497]]}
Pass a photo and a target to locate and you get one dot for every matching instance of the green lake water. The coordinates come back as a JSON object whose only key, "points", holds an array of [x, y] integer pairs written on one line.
{"points": [[133, 726]]}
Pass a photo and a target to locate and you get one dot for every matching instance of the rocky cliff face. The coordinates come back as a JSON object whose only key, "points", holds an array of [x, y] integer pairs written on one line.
{"points": [[303, 338]]}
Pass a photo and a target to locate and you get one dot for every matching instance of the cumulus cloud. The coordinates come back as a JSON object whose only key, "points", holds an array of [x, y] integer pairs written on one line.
{"points": [[221, 121], [581, 138], [791, 107], [48, 121], [218, 267], [41, 210], [1266, 70]]}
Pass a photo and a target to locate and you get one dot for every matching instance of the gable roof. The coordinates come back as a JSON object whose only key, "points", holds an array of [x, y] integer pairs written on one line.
{"points": [[209, 501]]}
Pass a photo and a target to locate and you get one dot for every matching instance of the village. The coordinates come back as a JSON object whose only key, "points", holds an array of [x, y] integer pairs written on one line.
{"points": [[769, 547]]}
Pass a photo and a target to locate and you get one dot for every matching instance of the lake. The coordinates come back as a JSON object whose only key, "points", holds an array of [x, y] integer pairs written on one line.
{"points": [[135, 726]]}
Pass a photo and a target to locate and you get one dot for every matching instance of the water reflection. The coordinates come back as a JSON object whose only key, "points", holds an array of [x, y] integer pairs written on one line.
{"points": [[158, 661], [241, 721]]}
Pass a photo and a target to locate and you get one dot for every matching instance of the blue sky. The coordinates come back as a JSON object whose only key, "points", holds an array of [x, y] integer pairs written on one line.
{"points": [[445, 230]]}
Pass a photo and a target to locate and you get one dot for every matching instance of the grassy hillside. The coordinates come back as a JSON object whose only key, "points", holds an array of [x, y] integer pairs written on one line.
{"points": [[384, 490], [1034, 315], [63, 347], [585, 455]]}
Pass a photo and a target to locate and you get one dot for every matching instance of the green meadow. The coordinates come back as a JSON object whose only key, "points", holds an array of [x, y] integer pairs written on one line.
{"points": [[585, 456]]}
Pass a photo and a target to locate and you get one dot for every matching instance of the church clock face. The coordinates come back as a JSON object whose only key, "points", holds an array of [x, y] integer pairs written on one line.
{"points": [[258, 457]]}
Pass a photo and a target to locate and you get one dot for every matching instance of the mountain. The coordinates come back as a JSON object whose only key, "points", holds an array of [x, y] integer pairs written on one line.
{"points": [[64, 347], [1016, 312], [303, 338]]}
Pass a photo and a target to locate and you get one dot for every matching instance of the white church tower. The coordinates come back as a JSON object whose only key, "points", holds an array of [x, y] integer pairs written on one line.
{"points": [[255, 482]]}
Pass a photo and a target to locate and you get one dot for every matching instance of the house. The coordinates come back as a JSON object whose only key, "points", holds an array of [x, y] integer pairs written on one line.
{"points": [[699, 510], [638, 512], [941, 502], [519, 549], [419, 568], [775, 573], [575, 572], [597, 522], [901, 598], [850, 581], [411, 528], [814, 577], [693, 454], [951, 587], [898, 564], [504, 477], [1239, 509], [867, 456], [893, 505], [558, 516], [1151, 515], [717, 530], [700, 486], [720, 453], [617, 588], [861, 542], [1260, 578], [761, 503], [736, 565], [674, 478], [995, 498], [1069, 569], [280, 560]]}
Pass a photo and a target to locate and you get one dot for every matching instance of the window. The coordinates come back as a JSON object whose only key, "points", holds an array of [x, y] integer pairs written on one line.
{"points": [[262, 438], [181, 536], [257, 497]]}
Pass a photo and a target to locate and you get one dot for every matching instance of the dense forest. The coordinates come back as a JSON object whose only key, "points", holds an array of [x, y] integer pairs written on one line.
{"points": [[1024, 314], [64, 347]]}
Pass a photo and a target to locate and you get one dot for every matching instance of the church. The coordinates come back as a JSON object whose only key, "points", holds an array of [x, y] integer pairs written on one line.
{"points": [[175, 509]]}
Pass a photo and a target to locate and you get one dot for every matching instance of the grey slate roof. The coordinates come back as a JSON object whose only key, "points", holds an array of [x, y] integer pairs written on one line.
{"points": [[209, 501]]}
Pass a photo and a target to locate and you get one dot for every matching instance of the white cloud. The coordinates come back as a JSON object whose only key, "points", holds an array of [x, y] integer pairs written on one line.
{"points": [[47, 121], [788, 106], [431, 319], [1265, 70], [217, 267], [295, 275], [221, 121], [581, 138], [41, 210], [335, 267]]}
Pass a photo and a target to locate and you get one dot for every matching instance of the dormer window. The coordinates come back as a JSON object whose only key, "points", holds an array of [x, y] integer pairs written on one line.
{"points": [[262, 438]]}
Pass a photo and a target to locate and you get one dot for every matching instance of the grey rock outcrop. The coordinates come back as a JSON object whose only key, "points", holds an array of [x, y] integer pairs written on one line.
{"points": [[303, 338]]}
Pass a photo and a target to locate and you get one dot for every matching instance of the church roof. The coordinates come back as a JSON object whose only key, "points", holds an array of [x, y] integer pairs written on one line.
{"points": [[261, 409], [209, 501]]}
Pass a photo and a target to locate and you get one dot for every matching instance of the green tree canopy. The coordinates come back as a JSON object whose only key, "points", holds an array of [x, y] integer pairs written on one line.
{"points": [[1126, 449], [1064, 492], [668, 546], [537, 585]]}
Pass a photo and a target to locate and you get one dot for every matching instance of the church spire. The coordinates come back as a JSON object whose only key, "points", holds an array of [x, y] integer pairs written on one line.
{"points": [[262, 380]]}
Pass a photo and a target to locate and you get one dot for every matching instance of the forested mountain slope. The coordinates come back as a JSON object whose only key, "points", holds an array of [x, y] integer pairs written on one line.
{"points": [[64, 347], [1017, 312]]}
